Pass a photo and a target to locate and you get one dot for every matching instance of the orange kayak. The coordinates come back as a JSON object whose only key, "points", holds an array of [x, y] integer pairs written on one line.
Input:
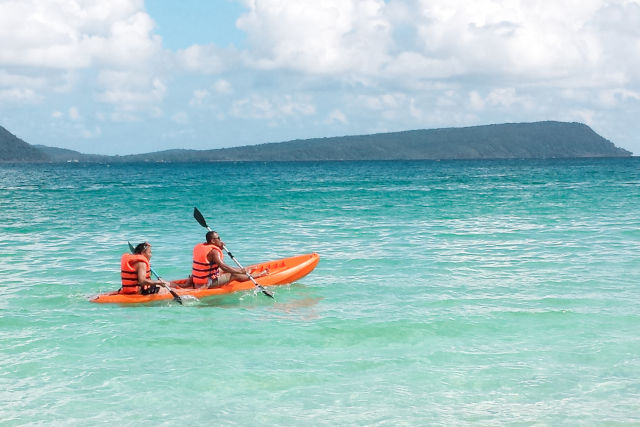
{"points": [[281, 272]]}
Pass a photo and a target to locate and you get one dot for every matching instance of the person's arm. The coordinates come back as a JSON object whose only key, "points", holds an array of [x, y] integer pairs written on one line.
{"points": [[215, 257], [142, 276]]}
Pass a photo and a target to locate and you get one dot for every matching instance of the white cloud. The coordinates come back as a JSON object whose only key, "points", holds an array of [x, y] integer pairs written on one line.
{"points": [[65, 34], [385, 101], [275, 108], [19, 96], [412, 66], [502, 100], [207, 59], [580, 115], [289, 107], [16, 88], [614, 97], [43, 40], [507, 98], [337, 116], [476, 101], [254, 108], [512, 38], [130, 91], [358, 40], [415, 111], [327, 37], [222, 86], [199, 97], [73, 113], [15, 79]]}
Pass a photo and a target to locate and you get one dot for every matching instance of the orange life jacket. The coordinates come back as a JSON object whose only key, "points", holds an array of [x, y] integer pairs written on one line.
{"points": [[202, 270], [129, 274]]}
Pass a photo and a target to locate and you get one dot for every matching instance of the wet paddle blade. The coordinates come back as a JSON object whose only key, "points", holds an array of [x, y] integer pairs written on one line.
{"points": [[176, 297], [198, 216]]}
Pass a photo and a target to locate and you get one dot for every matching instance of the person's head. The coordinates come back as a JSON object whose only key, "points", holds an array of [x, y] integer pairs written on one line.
{"points": [[213, 238], [143, 249]]}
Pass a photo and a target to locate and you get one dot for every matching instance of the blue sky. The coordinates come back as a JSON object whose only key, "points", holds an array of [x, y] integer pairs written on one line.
{"points": [[133, 76], [187, 22]]}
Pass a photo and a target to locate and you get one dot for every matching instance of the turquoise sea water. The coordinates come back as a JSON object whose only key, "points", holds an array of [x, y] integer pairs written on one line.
{"points": [[487, 292]]}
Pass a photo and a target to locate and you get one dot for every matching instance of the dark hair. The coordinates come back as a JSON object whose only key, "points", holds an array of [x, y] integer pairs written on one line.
{"points": [[209, 236], [141, 248]]}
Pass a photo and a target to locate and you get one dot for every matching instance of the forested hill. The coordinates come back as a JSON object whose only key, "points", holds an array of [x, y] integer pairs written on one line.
{"points": [[538, 140], [13, 149], [505, 141]]}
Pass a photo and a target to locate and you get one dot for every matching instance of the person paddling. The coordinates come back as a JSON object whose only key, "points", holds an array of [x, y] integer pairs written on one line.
{"points": [[135, 271], [208, 268]]}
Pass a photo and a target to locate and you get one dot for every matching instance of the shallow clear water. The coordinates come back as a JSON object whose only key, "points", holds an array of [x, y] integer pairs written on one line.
{"points": [[489, 292]]}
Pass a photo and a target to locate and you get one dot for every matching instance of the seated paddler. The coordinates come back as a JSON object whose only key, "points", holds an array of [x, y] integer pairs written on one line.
{"points": [[135, 271], [209, 269]]}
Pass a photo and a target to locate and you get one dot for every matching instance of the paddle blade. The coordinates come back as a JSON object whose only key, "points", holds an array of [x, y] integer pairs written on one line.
{"points": [[176, 297], [131, 248], [198, 216]]}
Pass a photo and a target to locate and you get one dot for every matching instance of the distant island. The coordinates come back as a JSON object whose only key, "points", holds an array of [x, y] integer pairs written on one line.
{"points": [[539, 140]]}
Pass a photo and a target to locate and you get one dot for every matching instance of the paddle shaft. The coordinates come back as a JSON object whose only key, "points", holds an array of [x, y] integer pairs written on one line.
{"points": [[198, 216], [248, 274]]}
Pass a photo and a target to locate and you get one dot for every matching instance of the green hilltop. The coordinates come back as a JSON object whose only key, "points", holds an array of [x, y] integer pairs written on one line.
{"points": [[539, 140], [13, 149]]}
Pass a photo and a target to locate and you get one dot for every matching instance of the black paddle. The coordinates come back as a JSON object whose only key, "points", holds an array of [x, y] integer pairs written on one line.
{"points": [[176, 297], [198, 216]]}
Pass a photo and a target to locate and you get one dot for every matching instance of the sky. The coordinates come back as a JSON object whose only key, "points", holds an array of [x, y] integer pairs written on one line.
{"points": [[134, 76]]}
